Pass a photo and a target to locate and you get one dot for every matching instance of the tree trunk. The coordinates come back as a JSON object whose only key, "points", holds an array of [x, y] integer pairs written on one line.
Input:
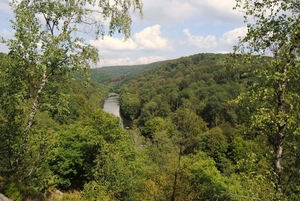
{"points": [[279, 139], [278, 160], [281, 110], [31, 119], [174, 189]]}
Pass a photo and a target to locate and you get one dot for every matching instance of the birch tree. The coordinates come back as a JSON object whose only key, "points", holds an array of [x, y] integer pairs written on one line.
{"points": [[274, 31], [49, 42]]}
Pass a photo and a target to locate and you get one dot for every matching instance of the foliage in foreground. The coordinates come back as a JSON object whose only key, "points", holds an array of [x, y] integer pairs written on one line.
{"points": [[273, 103]]}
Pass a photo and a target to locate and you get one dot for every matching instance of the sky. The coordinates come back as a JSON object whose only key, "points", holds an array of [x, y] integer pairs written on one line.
{"points": [[169, 29]]}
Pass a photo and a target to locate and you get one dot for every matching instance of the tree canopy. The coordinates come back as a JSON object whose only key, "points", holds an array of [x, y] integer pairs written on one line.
{"points": [[48, 42], [274, 30]]}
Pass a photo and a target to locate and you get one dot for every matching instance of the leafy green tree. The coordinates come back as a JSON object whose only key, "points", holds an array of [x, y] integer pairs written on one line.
{"points": [[216, 146], [117, 169], [274, 30], [130, 105], [161, 160], [155, 124], [73, 161], [11, 115], [189, 126], [45, 48], [211, 112], [200, 180]]}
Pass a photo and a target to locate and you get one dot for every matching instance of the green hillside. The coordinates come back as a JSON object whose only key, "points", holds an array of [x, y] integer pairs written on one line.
{"points": [[197, 81], [186, 107], [114, 74], [191, 140]]}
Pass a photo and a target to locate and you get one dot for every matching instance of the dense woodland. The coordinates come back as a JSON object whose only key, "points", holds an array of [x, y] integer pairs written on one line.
{"points": [[191, 139], [213, 127], [187, 110], [115, 74]]}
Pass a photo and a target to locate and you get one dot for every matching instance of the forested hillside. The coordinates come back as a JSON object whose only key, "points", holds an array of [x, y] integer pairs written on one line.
{"points": [[209, 106], [191, 140], [200, 81], [115, 74], [187, 109]]}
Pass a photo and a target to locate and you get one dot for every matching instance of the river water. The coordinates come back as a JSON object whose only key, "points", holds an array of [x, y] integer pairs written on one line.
{"points": [[112, 105]]}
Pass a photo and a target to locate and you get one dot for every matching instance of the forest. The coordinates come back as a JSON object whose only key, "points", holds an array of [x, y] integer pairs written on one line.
{"points": [[206, 127]]}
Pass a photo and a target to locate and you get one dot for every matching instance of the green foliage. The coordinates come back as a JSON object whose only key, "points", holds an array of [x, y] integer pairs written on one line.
{"points": [[36, 172], [117, 74], [117, 169], [178, 151], [41, 54], [17, 191], [187, 82], [188, 106], [273, 30], [192, 140], [74, 156], [216, 146], [11, 114], [130, 105], [208, 183]]}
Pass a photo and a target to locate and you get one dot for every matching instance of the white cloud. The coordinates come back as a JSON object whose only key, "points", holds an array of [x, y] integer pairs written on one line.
{"points": [[232, 37], [116, 62], [150, 59], [5, 33], [174, 11], [110, 43], [222, 52], [4, 6], [130, 61], [200, 41], [221, 10], [150, 39], [147, 39]]}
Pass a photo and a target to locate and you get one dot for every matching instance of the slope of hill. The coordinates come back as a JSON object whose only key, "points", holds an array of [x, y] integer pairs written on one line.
{"points": [[188, 106], [198, 80], [113, 74]]}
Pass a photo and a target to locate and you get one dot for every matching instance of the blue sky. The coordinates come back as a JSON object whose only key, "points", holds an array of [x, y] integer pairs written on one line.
{"points": [[169, 29]]}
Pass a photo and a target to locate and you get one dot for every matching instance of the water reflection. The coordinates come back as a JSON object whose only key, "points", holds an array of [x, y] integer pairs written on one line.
{"points": [[112, 105]]}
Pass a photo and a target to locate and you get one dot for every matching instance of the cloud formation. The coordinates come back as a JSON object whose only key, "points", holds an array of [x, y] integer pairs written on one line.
{"points": [[174, 11], [200, 41], [169, 29], [4, 6], [232, 37], [115, 44], [150, 59], [148, 39], [130, 61]]}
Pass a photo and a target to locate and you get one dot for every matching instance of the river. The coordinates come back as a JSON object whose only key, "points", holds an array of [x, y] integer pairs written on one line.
{"points": [[112, 105]]}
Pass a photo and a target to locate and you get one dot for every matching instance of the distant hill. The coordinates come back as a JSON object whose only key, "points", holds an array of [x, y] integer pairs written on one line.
{"points": [[114, 74]]}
